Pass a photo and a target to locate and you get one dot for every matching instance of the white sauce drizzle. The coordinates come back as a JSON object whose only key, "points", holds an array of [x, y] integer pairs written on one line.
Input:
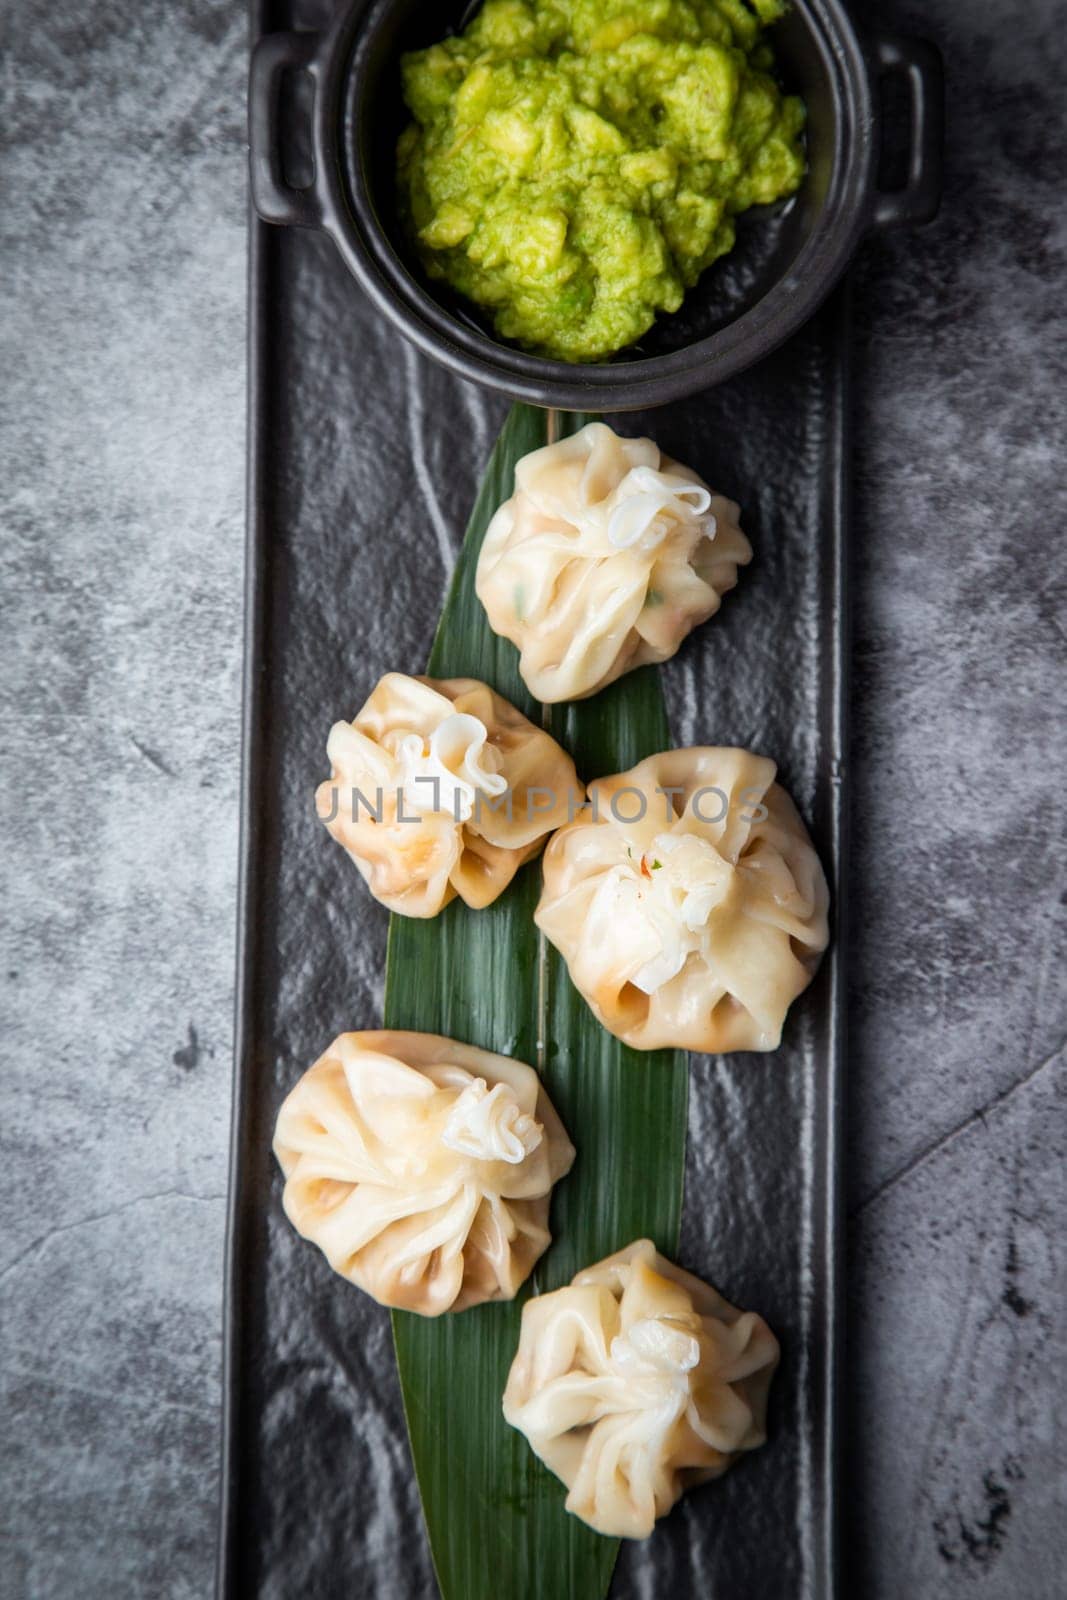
{"points": [[664, 898], [446, 772], [487, 1125], [649, 502], [654, 1346]]}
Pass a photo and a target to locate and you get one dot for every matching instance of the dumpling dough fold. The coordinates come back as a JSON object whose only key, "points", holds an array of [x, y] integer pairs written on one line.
{"points": [[441, 787], [422, 1168], [635, 1383], [688, 902], [605, 557]]}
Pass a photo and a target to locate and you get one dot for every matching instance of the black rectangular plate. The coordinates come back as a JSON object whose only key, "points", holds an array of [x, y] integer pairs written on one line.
{"points": [[363, 464]]}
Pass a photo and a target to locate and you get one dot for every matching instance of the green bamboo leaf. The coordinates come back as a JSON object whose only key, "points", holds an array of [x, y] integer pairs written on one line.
{"points": [[495, 1517]]}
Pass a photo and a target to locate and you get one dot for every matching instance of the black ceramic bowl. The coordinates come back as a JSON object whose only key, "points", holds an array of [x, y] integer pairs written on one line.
{"points": [[786, 260]]}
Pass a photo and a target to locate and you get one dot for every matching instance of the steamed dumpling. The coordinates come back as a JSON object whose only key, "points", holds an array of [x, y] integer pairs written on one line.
{"points": [[688, 902], [422, 1168], [606, 556], [636, 1383], [440, 787]]}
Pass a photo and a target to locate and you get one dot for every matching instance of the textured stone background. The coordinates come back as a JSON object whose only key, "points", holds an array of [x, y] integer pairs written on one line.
{"points": [[122, 494]]}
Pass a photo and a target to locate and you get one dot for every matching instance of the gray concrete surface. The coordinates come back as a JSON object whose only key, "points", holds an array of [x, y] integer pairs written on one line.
{"points": [[122, 497]]}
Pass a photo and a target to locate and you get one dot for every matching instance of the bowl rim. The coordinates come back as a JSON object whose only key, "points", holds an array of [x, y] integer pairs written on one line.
{"points": [[348, 214]]}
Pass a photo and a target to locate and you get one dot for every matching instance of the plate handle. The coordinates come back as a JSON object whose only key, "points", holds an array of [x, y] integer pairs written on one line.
{"points": [[919, 62], [274, 199]]}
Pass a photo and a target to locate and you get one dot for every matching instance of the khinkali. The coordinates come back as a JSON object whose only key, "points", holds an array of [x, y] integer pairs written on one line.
{"points": [[636, 1383], [606, 556], [422, 1168], [688, 902], [440, 787]]}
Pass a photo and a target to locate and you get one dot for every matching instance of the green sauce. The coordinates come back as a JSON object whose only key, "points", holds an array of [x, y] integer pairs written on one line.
{"points": [[574, 165]]}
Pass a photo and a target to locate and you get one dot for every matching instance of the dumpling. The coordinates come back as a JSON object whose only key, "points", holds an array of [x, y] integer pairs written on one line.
{"points": [[440, 787], [636, 1383], [422, 1168], [688, 902], [606, 556]]}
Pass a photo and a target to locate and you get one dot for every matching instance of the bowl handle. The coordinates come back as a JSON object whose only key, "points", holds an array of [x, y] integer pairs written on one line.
{"points": [[274, 199], [919, 198]]}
